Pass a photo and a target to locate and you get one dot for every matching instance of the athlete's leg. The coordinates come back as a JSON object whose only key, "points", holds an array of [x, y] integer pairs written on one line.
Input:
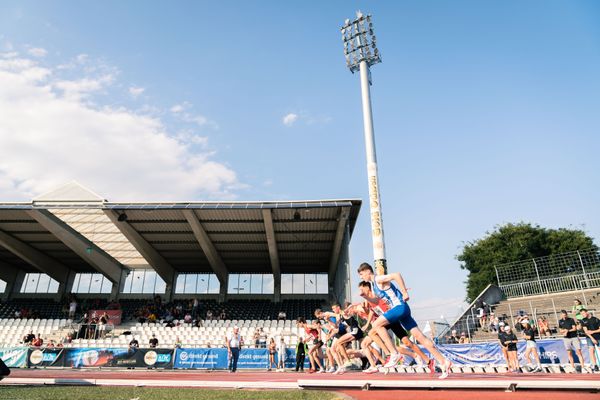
{"points": [[366, 346], [341, 346], [413, 347], [379, 326], [373, 335]]}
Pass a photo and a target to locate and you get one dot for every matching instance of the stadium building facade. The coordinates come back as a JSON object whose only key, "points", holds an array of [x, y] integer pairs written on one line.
{"points": [[72, 240]]}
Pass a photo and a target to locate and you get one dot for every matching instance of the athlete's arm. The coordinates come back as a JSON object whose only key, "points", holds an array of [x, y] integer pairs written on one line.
{"points": [[366, 325], [399, 280]]}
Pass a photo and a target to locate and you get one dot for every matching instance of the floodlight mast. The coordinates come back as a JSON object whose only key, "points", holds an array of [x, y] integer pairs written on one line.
{"points": [[361, 52]]}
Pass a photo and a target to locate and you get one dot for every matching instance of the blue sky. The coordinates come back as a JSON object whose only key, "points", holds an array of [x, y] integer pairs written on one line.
{"points": [[485, 113]]}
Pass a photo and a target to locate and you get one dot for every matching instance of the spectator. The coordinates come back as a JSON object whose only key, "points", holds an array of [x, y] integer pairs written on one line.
{"points": [[453, 339], [262, 339], [72, 308], [209, 315], [482, 317], [178, 343], [281, 352], [543, 326], [51, 344], [68, 339], [568, 330], [17, 314], [134, 344], [501, 340], [38, 341], [187, 319], [494, 321], [530, 347], [591, 327], [256, 338], [301, 351], [281, 316], [153, 342], [102, 324], [577, 307], [27, 339], [222, 316], [195, 305], [510, 342], [464, 339], [234, 341]]}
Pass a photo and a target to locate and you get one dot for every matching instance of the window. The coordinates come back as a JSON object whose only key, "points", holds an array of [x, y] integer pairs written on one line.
{"points": [[250, 284], [197, 284], [144, 281], [304, 284], [39, 283], [91, 283]]}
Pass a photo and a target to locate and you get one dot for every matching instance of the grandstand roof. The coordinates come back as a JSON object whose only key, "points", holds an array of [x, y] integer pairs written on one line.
{"points": [[240, 237]]}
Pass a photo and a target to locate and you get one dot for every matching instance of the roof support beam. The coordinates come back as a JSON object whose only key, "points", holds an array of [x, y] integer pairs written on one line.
{"points": [[8, 273], [44, 263], [273, 253], [337, 243], [214, 258], [97, 258], [164, 269]]}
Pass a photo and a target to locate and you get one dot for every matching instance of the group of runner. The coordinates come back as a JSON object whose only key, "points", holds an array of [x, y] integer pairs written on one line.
{"points": [[384, 314]]}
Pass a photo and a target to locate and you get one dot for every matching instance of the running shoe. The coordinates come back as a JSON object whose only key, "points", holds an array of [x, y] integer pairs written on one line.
{"points": [[371, 370], [311, 371], [446, 369], [394, 358], [321, 371], [331, 370], [431, 366], [340, 371], [348, 364]]}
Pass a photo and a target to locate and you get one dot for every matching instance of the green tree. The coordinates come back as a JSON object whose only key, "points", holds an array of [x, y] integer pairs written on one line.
{"points": [[515, 242]]}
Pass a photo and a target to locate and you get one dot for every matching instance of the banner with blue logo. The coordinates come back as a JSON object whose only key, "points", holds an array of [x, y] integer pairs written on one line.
{"points": [[551, 351], [118, 357], [15, 357], [47, 357], [219, 359]]}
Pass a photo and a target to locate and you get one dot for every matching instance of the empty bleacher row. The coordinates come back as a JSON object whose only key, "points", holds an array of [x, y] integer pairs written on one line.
{"points": [[211, 334], [13, 330]]}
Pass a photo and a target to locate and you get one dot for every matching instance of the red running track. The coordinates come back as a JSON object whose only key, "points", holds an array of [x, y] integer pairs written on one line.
{"points": [[379, 394]]}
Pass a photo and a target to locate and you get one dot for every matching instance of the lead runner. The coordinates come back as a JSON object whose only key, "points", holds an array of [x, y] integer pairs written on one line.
{"points": [[392, 289]]}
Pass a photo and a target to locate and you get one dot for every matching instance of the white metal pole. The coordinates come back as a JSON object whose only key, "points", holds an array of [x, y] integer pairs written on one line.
{"points": [[374, 197]]}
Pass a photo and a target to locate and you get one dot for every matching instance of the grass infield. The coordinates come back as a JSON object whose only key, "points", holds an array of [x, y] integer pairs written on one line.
{"points": [[145, 393]]}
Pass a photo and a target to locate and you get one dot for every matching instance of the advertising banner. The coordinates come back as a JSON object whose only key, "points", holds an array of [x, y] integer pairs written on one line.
{"points": [[114, 316], [48, 357], [551, 351], [119, 357], [15, 357], [200, 358]]}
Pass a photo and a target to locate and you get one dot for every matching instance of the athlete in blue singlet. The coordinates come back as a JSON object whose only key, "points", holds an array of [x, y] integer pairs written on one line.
{"points": [[392, 289]]}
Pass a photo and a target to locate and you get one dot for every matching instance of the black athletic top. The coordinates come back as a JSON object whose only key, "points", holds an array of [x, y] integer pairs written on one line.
{"points": [[352, 323], [592, 323], [568, 323], [509, 337], [530, 332]]}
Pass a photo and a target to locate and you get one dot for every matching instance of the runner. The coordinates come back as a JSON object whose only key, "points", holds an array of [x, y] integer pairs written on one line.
{"points": [[312, 332], [391, 288], [353, 333], [337, 329], [376, 310]]}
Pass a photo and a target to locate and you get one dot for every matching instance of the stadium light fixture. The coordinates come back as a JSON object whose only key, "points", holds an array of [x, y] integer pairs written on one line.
{"points": [[361, 52]]}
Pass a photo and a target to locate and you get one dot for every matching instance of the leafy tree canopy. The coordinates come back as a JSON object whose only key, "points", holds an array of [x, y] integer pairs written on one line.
{"points": [[515, 242]]}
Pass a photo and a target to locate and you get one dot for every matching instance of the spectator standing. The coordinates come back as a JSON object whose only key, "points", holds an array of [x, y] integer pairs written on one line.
{"points": [[281, 316], [591, 327], [72, 309], [464, 339], [209, 315], [234, 341], [262, 338], [300, 354], [510, 341], [501, 340], [195, 305], [256, 338], [178, 343], [530, 347], [153, 342], [568, 330], [134, 344], [222, 316], [281, 353]]}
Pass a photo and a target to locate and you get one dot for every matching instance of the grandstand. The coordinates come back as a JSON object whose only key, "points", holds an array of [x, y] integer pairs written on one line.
{"points": [[251, 261], [539, 287]]}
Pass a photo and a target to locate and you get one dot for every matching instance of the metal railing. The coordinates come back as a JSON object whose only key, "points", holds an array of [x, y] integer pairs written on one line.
{"points": [[581, 262], [552, 285]]}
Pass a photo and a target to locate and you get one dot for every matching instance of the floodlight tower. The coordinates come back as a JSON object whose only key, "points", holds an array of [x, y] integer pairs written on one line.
{"points": [[361, 52]]}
